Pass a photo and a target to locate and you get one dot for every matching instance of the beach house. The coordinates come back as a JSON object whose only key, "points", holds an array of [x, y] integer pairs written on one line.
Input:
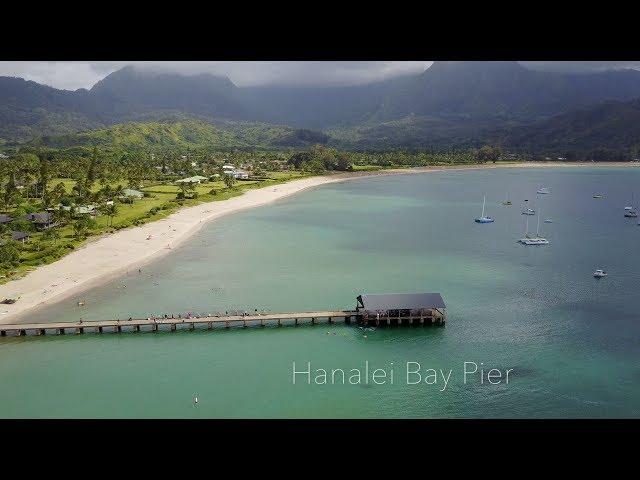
{"points": [[196, 179], [41, 220], [130, 193], [20, 236], [240, 175]]}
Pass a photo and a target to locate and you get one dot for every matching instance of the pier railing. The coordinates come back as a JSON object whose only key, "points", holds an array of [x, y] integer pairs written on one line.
{"points": [[225, 321]]}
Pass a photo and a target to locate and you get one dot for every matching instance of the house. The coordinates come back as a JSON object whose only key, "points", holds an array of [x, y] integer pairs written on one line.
{"points": [[85, 210], [41, 220], [129, 192], [196, 179], [228, 168], [20, 236], [240, 175], [4, 219]]}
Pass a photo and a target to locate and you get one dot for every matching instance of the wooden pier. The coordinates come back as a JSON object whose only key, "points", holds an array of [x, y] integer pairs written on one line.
{"points": [[210, 322]]}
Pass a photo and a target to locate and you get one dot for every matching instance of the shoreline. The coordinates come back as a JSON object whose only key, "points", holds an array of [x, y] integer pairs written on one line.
{"points": [[109, 256]]}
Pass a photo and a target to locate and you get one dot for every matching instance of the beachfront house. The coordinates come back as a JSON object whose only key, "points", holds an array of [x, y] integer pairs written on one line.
{"points": [[41, 220], [86, 210], [131, 193], [197, 179], [20, 236], [240, 175]]}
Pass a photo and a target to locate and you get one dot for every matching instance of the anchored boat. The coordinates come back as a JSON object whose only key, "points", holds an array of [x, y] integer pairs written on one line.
{"points": [[537, 240], [482, 218], [528, 210]]}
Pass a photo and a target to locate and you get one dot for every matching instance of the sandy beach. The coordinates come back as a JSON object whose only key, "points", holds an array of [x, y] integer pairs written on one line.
{"points": [[113, 254]]}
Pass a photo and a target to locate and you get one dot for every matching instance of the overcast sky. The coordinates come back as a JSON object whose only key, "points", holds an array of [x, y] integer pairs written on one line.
{"points": [[74, 75]]}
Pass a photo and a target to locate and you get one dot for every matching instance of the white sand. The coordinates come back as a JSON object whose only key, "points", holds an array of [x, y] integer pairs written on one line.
{"points": [[128, 249]]}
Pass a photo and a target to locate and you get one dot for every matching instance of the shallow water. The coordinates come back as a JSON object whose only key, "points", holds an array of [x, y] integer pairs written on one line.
{"points": [[571, 340]]}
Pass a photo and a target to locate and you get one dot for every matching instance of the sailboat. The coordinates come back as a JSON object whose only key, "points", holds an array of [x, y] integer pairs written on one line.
{"points": [[484, 219], [507, 201], [537, 240], [543, 191], [630, 212], [528, 210]]}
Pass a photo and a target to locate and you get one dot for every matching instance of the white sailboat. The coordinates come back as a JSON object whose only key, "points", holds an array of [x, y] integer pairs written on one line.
{"points": [[543, 191], [630, 212], [528, 210], [482, 218], [537, 240]]}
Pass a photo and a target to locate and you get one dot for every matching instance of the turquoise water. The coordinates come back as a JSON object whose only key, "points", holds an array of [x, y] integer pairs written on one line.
{"points": [[571, 341]]}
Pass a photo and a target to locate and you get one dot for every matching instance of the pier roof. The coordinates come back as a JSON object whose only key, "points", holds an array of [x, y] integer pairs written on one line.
{"points": [[403, 301]]}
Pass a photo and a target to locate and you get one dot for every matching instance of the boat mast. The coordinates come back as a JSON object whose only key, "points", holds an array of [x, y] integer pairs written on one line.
{"points": [[483, 200], [538, 227]]}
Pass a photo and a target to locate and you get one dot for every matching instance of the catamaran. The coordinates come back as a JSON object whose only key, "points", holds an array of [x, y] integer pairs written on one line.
{"points": [[537, 240], [482, 218]]}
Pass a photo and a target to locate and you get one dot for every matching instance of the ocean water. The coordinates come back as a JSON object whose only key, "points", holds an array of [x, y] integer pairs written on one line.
{"points": [[571, 343]]}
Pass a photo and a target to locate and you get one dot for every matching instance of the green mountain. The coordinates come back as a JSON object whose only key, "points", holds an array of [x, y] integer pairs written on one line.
{"points": [[611, 126], [185, 133], [449, 104]]}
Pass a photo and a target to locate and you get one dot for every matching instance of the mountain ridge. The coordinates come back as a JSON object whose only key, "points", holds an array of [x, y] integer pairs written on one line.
{"points": [[455, 102]]}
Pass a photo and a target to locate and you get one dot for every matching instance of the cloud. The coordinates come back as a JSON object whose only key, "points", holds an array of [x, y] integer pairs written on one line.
{"points": [[74, 75], [580, 67]]}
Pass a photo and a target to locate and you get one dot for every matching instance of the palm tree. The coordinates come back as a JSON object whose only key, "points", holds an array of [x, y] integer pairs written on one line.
{"points": [[229, 180], [111, 211], [51, 234]]}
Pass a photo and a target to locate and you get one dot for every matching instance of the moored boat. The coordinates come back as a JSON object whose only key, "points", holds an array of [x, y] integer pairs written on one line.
{"points": [[483, 218]]}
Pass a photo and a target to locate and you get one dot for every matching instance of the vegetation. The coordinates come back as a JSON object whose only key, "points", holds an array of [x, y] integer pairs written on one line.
{"points": [[84, 191]]}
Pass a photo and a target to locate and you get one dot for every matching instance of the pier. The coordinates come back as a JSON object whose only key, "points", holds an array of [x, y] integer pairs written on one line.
{"points": [[430, 313]]}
